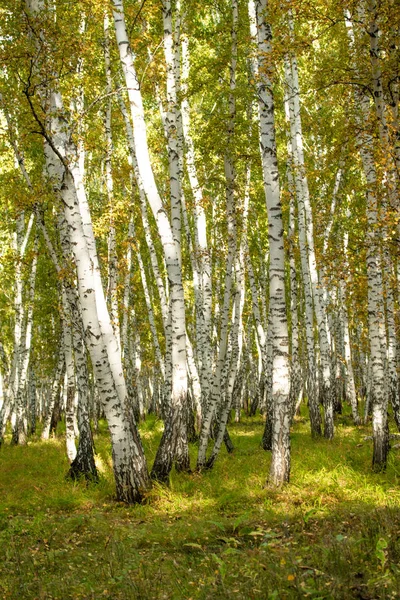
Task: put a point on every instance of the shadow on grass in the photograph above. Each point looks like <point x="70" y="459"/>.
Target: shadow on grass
<point x="331" y="533"/>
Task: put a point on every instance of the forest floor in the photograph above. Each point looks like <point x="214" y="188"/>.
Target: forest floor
<point x="333" y="532"/>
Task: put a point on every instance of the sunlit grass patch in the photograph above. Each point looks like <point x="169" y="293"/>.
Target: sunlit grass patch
<point x="332" y="532"/>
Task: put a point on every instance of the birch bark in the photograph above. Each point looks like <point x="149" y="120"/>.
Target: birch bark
<point x="112" y="295"/>
<point x="389" y="200"/>
<point x="21" y="427"/>
<point x="280" y="463"/>
<point x="296" y="383"/>
<point x="173" y="444"/>
<point x="203" y="268"/>
<point x="83" y="460"/>
<point x="306" y="224"/>
<point x="129" y="463"/>
<point x="230" y="175"/>
<point x="379" y="398"/>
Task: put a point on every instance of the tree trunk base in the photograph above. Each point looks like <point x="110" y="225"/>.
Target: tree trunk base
<point x="266" y="442"/>
<point x="380" y="453"/>
<point x="228" y="442"/>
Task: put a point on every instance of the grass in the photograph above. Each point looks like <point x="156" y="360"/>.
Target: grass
<point x="333" y="532"/>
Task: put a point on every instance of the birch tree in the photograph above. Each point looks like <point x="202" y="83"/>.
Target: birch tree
<point x="173" y="446"/>
<point x="374" y="273"/>
<point x="129" y="463"/>
<point x="280" y="464"/>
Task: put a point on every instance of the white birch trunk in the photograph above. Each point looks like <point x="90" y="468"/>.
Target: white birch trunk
<point x="171" y="124"/>
<point x="83" y="463"/>
<point x="149" y="305"/>
<point x="296" y="383"/>
<point x="230" y="175"/>
<point x="129" y="463"/>
<point x="127" y="295"/>
<point x="174" y="438"/>
<point x="162" y="292"/>
<point x="306" y="223"/>
<point x="390" y="200"/>
<point x="280" y="464"/>
<point x="21" y="429"/>
<point x="55" y="390"/>
<point x="112" y="283"/>
<point x="349" y="372"/>
<point x="203" y="271"/>
<point x="374" y="273"/>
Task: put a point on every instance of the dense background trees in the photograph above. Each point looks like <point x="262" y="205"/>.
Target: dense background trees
<point x="199" y="213"/>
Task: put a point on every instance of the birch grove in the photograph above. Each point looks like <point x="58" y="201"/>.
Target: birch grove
<point x="195" y="230"/>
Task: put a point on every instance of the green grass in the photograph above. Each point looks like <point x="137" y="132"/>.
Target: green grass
<point x="333" y="532"/>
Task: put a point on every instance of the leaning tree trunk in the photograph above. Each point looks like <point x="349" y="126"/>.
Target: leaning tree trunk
<point x="129" y="463"/>
<point x="112" y="283"/>
<point x="83" y="462"/>
<point x="174" y="438"/>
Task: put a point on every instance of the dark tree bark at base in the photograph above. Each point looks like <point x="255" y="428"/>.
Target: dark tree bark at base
<point x="19" y="435"/>
<point x="164" y="458"/>
<point x="381" y="449"/>
<point x="254" y="406"/>
<point x="266" y="441"/>
<point x="315" y="419"/>
<point x="182" y="459"/>
<point x="174" y="445"/>
<point x="337" y="405"/>
<point x="169" y="451"/>
<point x="84" y="464"/>
<point x="80" y="469"/>
<point x="228" y="442"/>
<point x="55" y="417"/>
<point x="191" y="429"/>
<point x="229" y="447"/>
<point x="394" y="399"/>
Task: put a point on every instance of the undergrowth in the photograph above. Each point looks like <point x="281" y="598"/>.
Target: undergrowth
<point x="333" y="532"/>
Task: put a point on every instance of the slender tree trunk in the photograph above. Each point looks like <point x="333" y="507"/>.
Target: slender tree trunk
<point x="389" y="201"/>
<point x="203" y="271"/>
<point x="21" y="428"/>
<point x="232" y="243"/>
<point x="130" y="470"/>
<point x="313" y="285"/>
<point x="174" y="439"/>
<point x="280" y="463"/>
<point x="112" y="283"/>
<point x="55" y="391"/>
<point x="296" y="384"/>
<point x="377" y="393"/>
